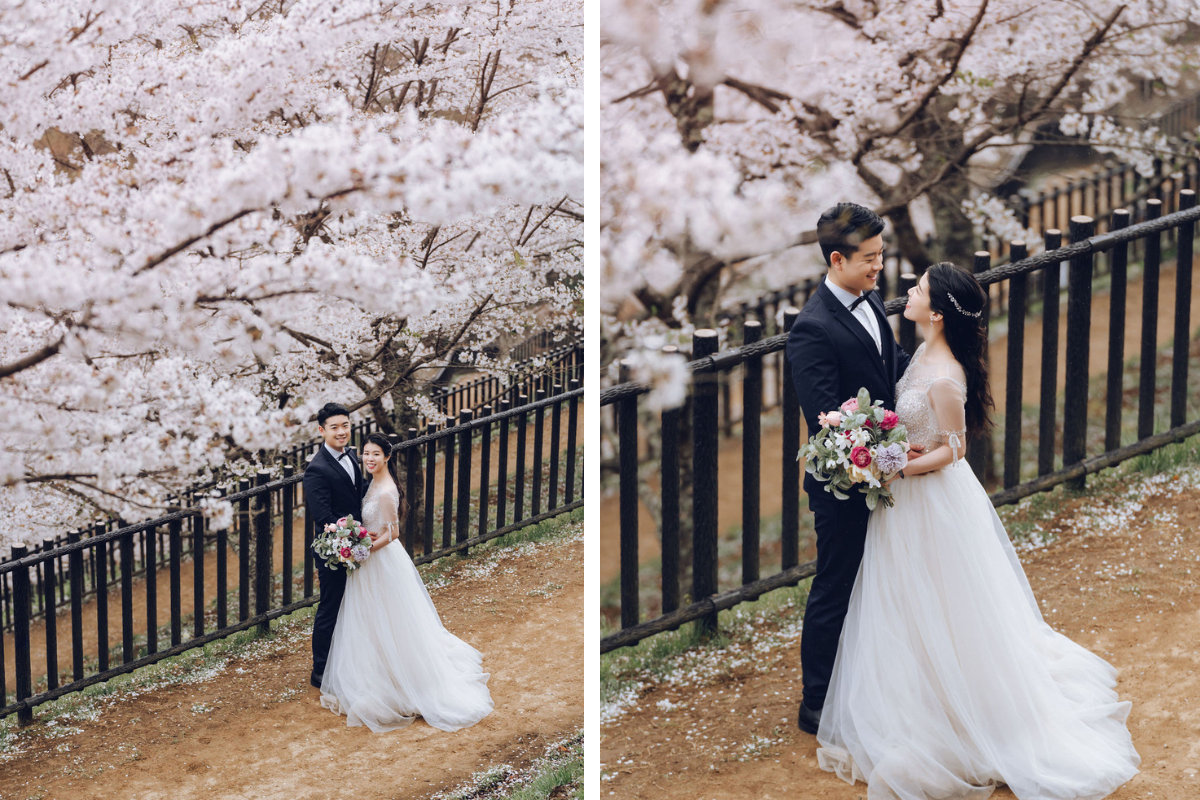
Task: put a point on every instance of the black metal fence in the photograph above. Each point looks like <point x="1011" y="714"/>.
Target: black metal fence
<point x="558" y="365"/>
<point x="712" y="371"/>
<point x="562" y="365"/>
<point x="515" y="483"/>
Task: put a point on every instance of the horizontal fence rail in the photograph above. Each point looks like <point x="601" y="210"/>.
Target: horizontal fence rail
<point x="1069" y="434"/>
<point x="562" y="365"/>
<point x="502" y="471"/>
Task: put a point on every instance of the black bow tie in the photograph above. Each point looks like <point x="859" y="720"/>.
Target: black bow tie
<point x="862" y="298"/>
<point x="343" y="455"/>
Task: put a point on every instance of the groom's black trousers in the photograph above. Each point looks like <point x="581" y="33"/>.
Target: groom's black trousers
<point x="333" y="586"/>
<point x="841" y="534"/>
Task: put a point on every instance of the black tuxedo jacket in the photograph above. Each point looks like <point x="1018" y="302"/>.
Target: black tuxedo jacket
<point x="832" y="356"/>
<point x="329" y="493"/>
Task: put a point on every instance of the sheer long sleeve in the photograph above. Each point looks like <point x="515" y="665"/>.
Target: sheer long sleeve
<point x="948" y="405"/>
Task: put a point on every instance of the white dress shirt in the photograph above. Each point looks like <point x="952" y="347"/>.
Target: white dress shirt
<point x="864" y="313"/>
<point x="345" y="463"/>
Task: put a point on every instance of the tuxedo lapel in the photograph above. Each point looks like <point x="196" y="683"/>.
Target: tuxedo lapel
<point x="844" y="316"/>
<point x="333" y="463"/>
<point x="886" y="340"/>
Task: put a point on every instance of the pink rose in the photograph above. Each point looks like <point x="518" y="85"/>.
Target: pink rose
<point x="860" y="457"/>
<point x="341" y="522"/>
<point x="890" y="420"/>
<point x="344" y="552"/>
<point x="833" y="418"/>
<point x="851" y="405"/>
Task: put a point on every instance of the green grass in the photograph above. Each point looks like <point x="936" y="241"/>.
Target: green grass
<point x="561" y="767"/>
<point x="656" y="657"/>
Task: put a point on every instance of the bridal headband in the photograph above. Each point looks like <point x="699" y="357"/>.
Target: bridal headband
<point x="961" y="310"/>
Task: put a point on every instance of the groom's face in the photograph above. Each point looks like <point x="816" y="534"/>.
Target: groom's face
<point x="859" y="272"/>
<point x="336" y="431"/>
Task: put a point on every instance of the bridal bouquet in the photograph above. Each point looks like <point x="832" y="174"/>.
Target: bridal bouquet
<point x="859" y="446"/>
<point x="345" y="543"/>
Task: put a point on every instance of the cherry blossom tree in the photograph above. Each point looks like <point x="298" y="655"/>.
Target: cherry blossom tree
<point x="217" y="215"/>
<point x="729" y="126"/>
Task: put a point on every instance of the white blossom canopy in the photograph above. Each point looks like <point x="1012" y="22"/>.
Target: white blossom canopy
<point x="216" y="215"/>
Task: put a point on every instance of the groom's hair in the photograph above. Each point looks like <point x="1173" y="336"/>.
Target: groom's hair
<point x="331" y="410"/>
<point x="844" y="227"/>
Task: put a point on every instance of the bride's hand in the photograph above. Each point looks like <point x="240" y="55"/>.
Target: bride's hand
<point x="379" y="540"/>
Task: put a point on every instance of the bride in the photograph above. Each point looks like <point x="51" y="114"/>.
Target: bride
<point x="391" y="660"/>
<point x="947" y="682"/>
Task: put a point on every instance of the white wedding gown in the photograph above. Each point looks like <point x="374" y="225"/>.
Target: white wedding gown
<point x="947" y="681"/>
<point x="391" y="659"/>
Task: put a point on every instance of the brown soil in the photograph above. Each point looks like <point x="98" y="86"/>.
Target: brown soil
<point x="729" y="504"/>
<point x="268" y="737"/>
<point x="1144" y="623"/>
<point x="37" y="632"/>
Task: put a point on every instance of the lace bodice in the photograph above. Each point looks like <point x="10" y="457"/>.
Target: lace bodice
<point x="931" y="403"/>
<point x="380" y="508"/>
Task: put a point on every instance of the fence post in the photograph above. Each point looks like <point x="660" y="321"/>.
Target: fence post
<point x="223" y="569"/>
<point x="1079" y="319"/>
<point x="461" y="534"/>
<point x="1118" y="261"/>
<point x="522" y="433"/>
<point x="100" y="580"/>
<point x="908" y="328"/>
<point x="21" y="609"/>
<point x="627" y="438"/>
<point x="751" y="453"/>
<point x="539" y="429"/>
<point x="671" y="420"/>
<point x="75" y="565"/>
<point x="1014" y="377"/>
<point x="791" y="446"/>
<point x="502" y="469"/>
<point x="705" y="478"/>
<point x="555" y="435"/>
<point x="1149" y="352"/>
<point x="150" y="563"/>
<point x="288" y="512"/>
<point x="572" y="436"/>
<point x="413" y="461"/>
<point x="263" y="549"/>
<point x="50" y="619"/>
<point x="1183" y="311"/>
<point x="244" y="576"/>
<point x="175" y="545"/>
<point x="1048" y="401"/>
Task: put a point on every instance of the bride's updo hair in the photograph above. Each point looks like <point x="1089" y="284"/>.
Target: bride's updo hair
<point x="382" y="442"/>
<point x="957" y="296"/>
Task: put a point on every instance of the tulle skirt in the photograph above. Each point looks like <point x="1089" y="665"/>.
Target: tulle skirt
<point x="391" y="659"/>
<point x="947" y="681"/>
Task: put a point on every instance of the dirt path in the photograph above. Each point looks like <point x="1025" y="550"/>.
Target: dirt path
<point x="729" y="504"/>
<point x="260" y="732"/>
<point x="1121" y="581"/>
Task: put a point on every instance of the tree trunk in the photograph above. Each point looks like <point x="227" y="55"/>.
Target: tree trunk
<point x="912" y="249"/>
<point x="954" y="239"/>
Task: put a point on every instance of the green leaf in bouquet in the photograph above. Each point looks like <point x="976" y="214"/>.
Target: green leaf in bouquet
<point x="872" y="499"/>
<point x="864" y="399"/>
<point x="840" y="495"/>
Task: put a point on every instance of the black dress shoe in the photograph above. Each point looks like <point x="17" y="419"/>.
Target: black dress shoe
<point x="315" y="680"/>
<point x="808" y="720"/>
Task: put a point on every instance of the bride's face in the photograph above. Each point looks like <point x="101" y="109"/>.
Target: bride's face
<point x="373" y="460"/>
<point x="918" y="309"/>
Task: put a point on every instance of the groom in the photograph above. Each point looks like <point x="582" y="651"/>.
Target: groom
<point x="332" y="489"/>
<point x="840" y="343"/>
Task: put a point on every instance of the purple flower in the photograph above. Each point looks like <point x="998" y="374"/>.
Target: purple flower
<point x="891" y="458"/>
<point x="360" y="552"/>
